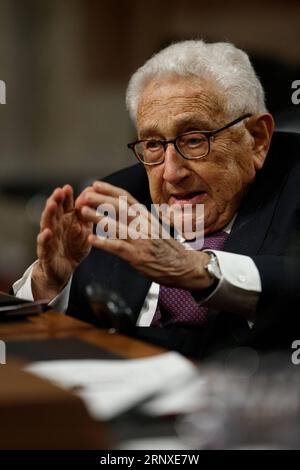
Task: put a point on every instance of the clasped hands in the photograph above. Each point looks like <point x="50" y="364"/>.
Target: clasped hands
<point x="66" y="237"/>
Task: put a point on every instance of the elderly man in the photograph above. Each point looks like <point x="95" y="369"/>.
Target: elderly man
<point x="204" y="137"/>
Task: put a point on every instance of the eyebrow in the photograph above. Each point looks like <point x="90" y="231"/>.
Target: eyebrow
<point x="182" y="125"/>
<point x="151" y="130"/>
<point x="193" y="122"/>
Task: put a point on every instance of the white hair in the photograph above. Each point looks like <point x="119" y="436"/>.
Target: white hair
<point x="222" y="62"/>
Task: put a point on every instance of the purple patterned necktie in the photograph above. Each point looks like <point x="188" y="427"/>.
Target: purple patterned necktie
<point x="178" y="305"/>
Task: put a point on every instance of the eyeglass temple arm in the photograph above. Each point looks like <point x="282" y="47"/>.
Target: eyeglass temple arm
<point x="232" y="123"/>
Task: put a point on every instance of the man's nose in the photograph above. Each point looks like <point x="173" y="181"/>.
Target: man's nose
<point x="175" y="166"/>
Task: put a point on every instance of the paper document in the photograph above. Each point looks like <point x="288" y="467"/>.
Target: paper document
<point x="110" y="387"/>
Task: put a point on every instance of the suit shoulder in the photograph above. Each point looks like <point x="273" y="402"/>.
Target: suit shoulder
<point x="285" y="147"/>
<point x="134" y="180"/>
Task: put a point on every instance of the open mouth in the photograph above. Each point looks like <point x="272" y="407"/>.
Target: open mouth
<point x="196" y="197"/>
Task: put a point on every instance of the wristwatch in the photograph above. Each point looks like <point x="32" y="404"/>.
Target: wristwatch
<point x="213" y="268"/>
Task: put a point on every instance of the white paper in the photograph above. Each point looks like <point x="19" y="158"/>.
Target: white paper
<point x="185" y="398"/>
<point x="110" y="387"/>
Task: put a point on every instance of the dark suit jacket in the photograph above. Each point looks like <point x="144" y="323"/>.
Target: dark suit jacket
<point x="266" y="229"/>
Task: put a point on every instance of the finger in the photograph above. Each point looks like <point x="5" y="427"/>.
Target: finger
<point x="94" y="200"/>
<point x="48" y="218"/>
<point x="89" y="215"/>
<point x="114" y="207"/>
<point x="118" y="247"/>
<point x="80" y="201"/>
<point x="105" y="226"/>
<point x="106" y="188"/>
<point x="134" y="232"/>
<point x="145" y="227"/>
<point x="64" y="200"/>
<point x="57" y="196"/>
<point x="44" y="240"/>
<point x="68" y="203"/>
<point x="59" y="211"/>
<point x="112" y="228"/>
<point x="51" y="208"/>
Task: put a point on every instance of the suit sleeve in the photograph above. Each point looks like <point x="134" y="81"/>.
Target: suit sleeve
<point x="277" y="321"/>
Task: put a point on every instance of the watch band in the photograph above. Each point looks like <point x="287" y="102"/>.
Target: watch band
<point x="212" y="267"/>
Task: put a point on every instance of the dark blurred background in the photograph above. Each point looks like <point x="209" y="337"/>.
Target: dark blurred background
<point x="66" y="64"/>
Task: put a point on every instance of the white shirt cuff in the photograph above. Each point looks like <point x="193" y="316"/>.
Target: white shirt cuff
<point x="148" y="310"/>
<point x="239" y="287"/>
<point x="22" y="289"/>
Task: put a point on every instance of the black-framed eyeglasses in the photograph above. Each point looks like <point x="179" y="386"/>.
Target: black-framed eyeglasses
<point x="190" y="145"/>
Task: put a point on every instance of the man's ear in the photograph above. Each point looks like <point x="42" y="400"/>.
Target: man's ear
<point x="261" y="128"/>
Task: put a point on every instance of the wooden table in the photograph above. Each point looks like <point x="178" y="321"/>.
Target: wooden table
<point x="39" y="415"/>
<point x="55" y="325"/>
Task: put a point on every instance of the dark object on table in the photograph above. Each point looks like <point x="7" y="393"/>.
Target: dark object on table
<point x="109" y="308"/>
<point x="13" y="307"/>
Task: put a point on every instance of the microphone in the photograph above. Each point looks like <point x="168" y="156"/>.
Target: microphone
<point x="110" y="309"/>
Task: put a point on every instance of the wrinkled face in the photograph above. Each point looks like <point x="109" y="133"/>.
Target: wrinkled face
<point x="175" y="105"/>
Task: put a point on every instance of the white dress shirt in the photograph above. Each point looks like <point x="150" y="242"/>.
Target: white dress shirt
<point x="237" y="291"/>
